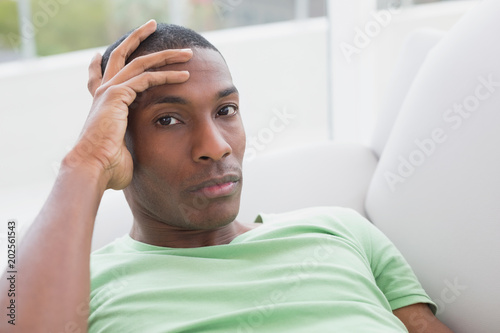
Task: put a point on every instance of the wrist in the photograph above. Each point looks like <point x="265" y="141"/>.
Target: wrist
<point x="92" y="172"/>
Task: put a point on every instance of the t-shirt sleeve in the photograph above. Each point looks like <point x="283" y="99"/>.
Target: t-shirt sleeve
<point x="392" y="273"/>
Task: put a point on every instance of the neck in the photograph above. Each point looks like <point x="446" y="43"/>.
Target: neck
<point x="161" y="234"/>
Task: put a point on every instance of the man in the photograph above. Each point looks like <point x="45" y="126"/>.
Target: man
<point x="165" y="127"/>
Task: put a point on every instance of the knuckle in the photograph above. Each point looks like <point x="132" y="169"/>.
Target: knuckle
<point x="100" y="91"/>
<point x="121" y="92"/>
<point x="140" y="63"/>
<point x="135" y="35"/>
<point x="110" y="90"/>
<point x="145" y="79"/>
<point x="149" y="76"/>
<point x="119" y="53"/>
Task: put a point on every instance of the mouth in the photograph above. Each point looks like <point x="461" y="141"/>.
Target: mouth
<point x="217" y="187"/>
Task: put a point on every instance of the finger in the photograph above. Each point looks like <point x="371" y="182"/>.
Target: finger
<point x="150" y="61"/>
<point x="121" y="53"/>
<point x="148" y="80"/>
<point x="95" y="74"/>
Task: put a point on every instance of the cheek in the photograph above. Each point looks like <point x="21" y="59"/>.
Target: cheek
<point x="159" y="156"/>
<point x="155" y="158"/>
<point x="157" y="176"/>
<point x="237" y="141"/>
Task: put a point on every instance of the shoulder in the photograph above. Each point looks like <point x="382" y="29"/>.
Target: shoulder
<point x="118" y="245"/>
<point x="338" y="217"/>
<point x="339" y="221"/>
<point x="110" y="257"/>
<point x="313" y="214"/>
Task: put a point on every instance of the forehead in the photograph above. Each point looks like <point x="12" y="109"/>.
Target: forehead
<point x="207" y="71"/>
<point x="203" y="60"/>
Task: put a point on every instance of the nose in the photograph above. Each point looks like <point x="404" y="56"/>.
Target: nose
<point x="209" y="144"/>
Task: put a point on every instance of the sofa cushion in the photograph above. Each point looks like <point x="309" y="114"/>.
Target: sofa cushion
<point x="330" y="174"/>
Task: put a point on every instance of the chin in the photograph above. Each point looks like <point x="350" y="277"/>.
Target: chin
<point x="211" y="215"/>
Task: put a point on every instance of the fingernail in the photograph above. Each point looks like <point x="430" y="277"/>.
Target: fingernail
<point x="186" y="50"/>
<point x="148" y="22"/>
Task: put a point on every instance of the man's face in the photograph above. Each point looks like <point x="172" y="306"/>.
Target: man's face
<point x="187" y="142"/>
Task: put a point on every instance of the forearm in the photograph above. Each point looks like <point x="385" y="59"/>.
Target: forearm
<point x="53" y="279"/>
<point x="418" y="318"/>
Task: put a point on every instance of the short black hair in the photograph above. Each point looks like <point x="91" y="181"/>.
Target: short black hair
<point x="166" y="36"/>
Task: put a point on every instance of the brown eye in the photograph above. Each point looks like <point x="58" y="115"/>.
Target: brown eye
<point x="167" y="120"/>
<point x="227" y="110"/>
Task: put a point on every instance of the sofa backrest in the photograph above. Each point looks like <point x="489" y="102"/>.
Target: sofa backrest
<point x="436" y="190"/>
<point x="413" y="53"/>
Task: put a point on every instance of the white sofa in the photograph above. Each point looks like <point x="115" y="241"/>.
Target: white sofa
<point x="430" y="180"/>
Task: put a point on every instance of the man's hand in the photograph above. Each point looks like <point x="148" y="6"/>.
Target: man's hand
<point x="101" y="145"/>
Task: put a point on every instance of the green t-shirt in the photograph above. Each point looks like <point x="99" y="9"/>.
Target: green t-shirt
<point x="313" y="270"/>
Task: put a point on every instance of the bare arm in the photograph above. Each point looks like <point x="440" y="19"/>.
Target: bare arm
<point x="53" y="280"/>
<point x="418" y="318"/>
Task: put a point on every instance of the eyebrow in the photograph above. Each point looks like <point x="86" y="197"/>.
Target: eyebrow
<point x="227" y="92"/>
<point x="170" y="100"/>
<point x="179" y="100"/>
